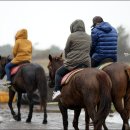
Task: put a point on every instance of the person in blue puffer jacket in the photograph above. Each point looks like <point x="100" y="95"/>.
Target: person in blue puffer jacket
<point x="104" y="42"/>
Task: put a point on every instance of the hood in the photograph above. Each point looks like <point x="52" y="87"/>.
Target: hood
<point x="104" y="26"/>
<point x="21" y="34"/>
<point x="77" y="25"/>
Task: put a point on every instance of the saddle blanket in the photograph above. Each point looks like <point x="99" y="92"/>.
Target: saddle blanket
<point x="68" y="76"/>
<point x="16" y="68"/>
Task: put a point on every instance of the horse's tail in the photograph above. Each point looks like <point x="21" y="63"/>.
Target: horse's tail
<point x="103" y="109"/>
<point x="127" y="70"/>
<point x="41" y="85"/>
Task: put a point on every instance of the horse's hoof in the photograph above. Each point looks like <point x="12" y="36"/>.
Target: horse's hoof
<point x="17" y="118"/>
<point x="44" y="122"/>
<point x="28" y="121"/>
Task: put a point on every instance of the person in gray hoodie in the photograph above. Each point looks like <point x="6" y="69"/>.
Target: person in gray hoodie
<point x="77" y="52"/>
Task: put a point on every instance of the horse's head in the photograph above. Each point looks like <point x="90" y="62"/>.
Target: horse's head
<point x="54" y="63"/>
<point x="3" y="62"/>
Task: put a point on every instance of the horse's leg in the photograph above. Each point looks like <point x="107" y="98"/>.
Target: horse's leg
<point x="123" y="113"/>
<point x="19" y="106"/>
<point x="45" y="114"/>
<point x="11" y="97"/>
<point x="86" y="120"/>
<point x="64" y="113"/>
<point x="31" y="105"/>
<point x="92" y="114"/>
<point x="127" y="106"/>
<point x="104" y="124"/>
<point x="76" y="118"/>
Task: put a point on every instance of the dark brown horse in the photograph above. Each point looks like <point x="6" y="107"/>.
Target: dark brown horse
<point x="86" y="89"/>
<point x="28" y="78"/>
<point x="120" y="77"/>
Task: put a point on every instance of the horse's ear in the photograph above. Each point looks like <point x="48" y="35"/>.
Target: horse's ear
<point x="61" y="55"/>
<point x="50" y="57"/>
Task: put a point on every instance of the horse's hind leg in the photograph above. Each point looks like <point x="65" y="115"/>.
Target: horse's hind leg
<point x="86" y="120"/>
<point x="64" y="113"/>
<point x="123" y="113"/>
<point x="104" y="126"/>
<point x="11" y="97"/>
<point x="19" y="106"/>
<point x="76" y="118"/>
<point x="127" y="106"/>
<point x="31" y="105"/>
<point x="92" y="114"/>
<point x="18" y="116"/>
<point x="45" y="114"/>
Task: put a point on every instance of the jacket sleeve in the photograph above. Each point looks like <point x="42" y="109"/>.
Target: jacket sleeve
<point x="15" y="49"/>
<point x="67" y="47"/>
<point x="94" y="38"/>
<point x="31" y="48"/>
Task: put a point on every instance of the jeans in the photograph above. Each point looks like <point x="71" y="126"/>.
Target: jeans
<point x="60" y="74"/>
<point x="58" y="77"/>
<point x="8" y="69"/>
<point x="94" y="63"/>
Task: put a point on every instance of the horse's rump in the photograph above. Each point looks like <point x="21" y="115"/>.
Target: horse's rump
<point x="86" y="84"/>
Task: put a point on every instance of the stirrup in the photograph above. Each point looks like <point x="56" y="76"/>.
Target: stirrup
<point x="6" y="83"/>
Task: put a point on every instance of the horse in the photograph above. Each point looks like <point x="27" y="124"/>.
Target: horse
<point x="28" y="78"/>
<point x="119" y="74"/>
<point x="86" y="89"/>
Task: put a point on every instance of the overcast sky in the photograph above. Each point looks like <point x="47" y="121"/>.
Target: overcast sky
<point x="48" y="22"/>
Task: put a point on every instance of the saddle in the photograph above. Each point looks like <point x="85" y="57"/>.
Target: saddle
<point x="106" y="62"/>
<point x="102" y="66"/>
<point x="69" y="75"/>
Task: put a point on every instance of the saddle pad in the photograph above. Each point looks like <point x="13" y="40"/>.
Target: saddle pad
<point x="68" y="76"/>
<point x="16" y="68"/>
<point x="101" y="67"/>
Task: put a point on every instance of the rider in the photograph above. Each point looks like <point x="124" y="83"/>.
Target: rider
<point x="22" y="51"/>
<point x="76" y="53"/>
<point x="104" y="42"/>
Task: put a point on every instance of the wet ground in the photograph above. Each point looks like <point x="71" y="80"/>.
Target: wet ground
<point x="113" y="121"/>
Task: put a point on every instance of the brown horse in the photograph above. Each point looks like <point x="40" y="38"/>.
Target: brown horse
<point x="28" y="78"/>
<point x="120" y="77"/>
<point x="86" y="89"/>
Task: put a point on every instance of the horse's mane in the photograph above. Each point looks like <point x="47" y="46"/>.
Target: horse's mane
<point x="57" y="58"/>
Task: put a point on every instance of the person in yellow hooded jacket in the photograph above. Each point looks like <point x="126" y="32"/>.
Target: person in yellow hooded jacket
<point x="22" y="51"/>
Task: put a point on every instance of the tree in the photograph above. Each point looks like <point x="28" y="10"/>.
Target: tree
<point x="122" y="43"/>
<point x="6" y="50"/>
